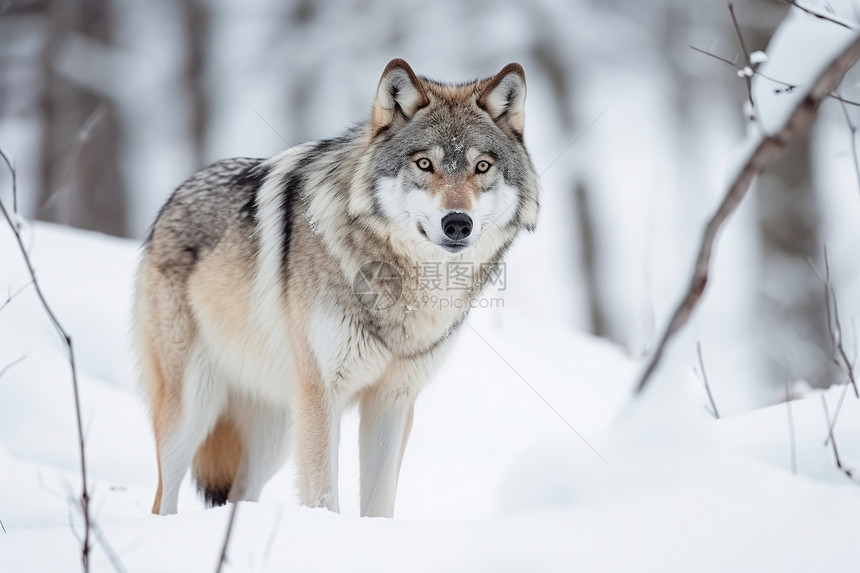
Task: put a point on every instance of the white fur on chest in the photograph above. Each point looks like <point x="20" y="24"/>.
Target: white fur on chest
<point x="349" y="358"/>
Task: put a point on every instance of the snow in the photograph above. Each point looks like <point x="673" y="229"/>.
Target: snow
<point x="528" y="452"/>
<point x="493" y="479"/>
<point x="758" y="57"/>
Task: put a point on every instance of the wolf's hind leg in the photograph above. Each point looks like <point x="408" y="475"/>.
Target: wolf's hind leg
<point x="265" y="446"/>
<point x="202" y="401"/>
<point x="386" y="420"/>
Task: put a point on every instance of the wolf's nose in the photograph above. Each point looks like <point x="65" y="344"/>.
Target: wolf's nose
<point x="457" y="226"/>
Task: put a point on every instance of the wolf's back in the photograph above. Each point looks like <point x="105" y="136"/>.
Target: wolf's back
<point x="201" y="210"/>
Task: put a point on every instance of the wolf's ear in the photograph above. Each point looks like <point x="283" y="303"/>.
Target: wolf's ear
<point x="399" y="95"/>
<point x="504" y="98"/>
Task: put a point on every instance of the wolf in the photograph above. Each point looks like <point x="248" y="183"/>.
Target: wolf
<point x="274" y="293"/>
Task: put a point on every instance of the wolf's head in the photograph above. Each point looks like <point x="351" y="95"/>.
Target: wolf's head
<point x="448" y="168"/>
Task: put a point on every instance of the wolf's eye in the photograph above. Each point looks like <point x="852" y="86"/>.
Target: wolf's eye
<point x="482" y="166"/>
<point x="424" y="164"/>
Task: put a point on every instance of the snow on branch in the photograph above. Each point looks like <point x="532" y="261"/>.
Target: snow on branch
<point x="767" y="149"/>
<point x="820" y="15"/>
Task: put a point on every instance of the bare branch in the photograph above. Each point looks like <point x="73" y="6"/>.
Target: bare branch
<point x="67" y="340"/>
<point x="714" y="410"/>
<point x="223" y="558"/>
<point x="836" y="412"/>
<point x="767" y="150"/>
<point x="838" y="333"/>
<point x="834" y="324"/>
<point x="787" y="87"/>
<point x="716" y="57"/>
<point x="841" y="99"/>
<point x="738" y="32"/>
<point x="847" y="471"/>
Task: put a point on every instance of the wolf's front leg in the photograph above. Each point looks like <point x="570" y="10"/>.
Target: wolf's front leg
<point x="317" y="440"/>
<point x="386" y="420"/>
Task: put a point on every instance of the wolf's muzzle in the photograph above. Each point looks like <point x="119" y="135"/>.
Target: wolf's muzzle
<point x="457" y="226"/>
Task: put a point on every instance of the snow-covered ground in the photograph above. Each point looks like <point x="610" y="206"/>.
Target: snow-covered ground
<point x="498" y="476"/>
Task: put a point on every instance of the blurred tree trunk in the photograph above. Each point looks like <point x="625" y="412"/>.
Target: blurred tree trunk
<point x="81" y="184"/>
<point x="585" y="224"/>
<point x="196" y="17"/>
<point x="20" y="90"/>
<point x="792" y="298"/>
<point x="559" y="69"/>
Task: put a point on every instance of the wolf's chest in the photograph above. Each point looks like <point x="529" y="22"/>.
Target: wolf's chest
<point x="354" y="354"/>
<point x="417" y="325"/>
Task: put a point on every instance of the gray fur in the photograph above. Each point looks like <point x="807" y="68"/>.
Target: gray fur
<point x="201" y="210"/>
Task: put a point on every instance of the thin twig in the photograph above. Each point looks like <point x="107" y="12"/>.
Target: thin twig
<point x="538" y="394"/>
<point x="854" y="338"/>
<point x="106" y="547"/>
<point x="71" y="514"/>
<point x="714" y="410"/>
<point x="747" y="77"/>
<point x="791" y="429"/>
<point x="847" y="471"/>
<point x="836" y="412"/>
<point x="223" y="558"/>
<point x="3" y="527"/>
<point x="10" y="365"/>
<point x="83" y="136"/>
<point x="841" y="99"/>
<point x="819" y="15"/>
<point x="837" y="324"/>
<point x="270" y="544"/>
<point x="769" y="147"/>
<point x="11" y="296"/>
<point x="834" y="324"/>
<point x="14" y="173"/>
<point x="788" y="87"/>
<point x="85" y="497"/>
<point x="275" y="131"/>
<point x="573" y="142"/>
<point x="738" y="32"/>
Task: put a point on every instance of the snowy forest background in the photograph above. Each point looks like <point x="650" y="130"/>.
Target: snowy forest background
<point x="107" y="105"/>
<point x="529" y="451"/>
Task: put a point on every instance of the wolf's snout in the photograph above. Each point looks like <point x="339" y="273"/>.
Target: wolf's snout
<point x="457" y="226"/>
